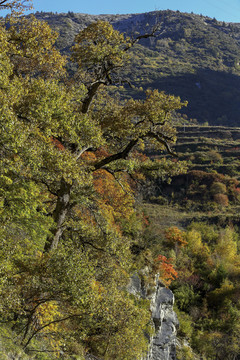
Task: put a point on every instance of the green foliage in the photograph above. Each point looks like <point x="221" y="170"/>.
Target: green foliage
<point x="184" y="352"/>
<point x="69" y="160"/>
<point x="99" y="45"/>
<point x="206" y="289"/>
<point x="185" y="324"/>
<point x="218" y="188"/>
<point x="185" y="297"/>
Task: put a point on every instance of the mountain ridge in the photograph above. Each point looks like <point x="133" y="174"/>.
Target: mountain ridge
<point x="192" y="56"/>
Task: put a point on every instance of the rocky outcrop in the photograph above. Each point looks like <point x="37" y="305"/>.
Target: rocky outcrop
<point x="162" y="344"/>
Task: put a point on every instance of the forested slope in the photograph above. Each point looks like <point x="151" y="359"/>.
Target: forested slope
<point x="92" y="190"/>
<point x="191" y="56"/>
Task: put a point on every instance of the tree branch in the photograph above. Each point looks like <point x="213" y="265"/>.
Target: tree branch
<point x="144" y="36"/>
<point x="3" y="2"/>
<point x="80" y="152"/>
<point x="92" y="90"/>
<point x="46" y="325"/>
<point x="162" y="140"/>
<point x="121" y="155"/>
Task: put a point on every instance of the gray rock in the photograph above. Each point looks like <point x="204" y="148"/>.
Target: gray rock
<point x="163" y="343"/>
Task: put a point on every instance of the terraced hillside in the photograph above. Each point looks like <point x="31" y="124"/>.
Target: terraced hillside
<point x="211" y="183"/>
<point x="210" y="148"/>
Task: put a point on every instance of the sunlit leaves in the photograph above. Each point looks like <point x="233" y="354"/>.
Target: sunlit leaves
<point x="16" y="6"/>
<point x="115" y="194"/>
<point x="32" y="50"/>
<point x="100" y="49"/>
<point x="165" y="268"/>
<point x="70" y="169"/>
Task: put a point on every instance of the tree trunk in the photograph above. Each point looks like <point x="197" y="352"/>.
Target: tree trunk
<point x="59" y="216"/>
<point x="90" y="95"/>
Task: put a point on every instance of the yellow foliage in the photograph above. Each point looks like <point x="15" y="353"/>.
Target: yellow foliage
<point x="46" y="314"/>
<point x="98" y="289"/>
<point x="226" y="247"/>
<point x="194" y="240"/>
<point x="32" y="44"/>
<point x="99" y="43"/>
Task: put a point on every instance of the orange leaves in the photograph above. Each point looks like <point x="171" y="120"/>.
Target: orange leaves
<point x="166" y="269"/>
<point x="91" y="157"/>
<point x="57" y="143"/>
<point x="115" y="194"/>
<point x="175" y="236"/>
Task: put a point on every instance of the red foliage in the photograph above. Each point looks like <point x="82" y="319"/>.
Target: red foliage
<point x="101" y="153"/>
<point x="166" y="269"/>
<point x="57" y="143"/>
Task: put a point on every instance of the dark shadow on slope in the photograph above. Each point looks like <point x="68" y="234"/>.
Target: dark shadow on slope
<point x="212" y="96"/>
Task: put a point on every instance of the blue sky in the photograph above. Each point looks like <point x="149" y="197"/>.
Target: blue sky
<point x="227" y="10"/>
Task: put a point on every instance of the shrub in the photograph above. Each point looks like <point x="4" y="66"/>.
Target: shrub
<point x="185" y="324"/>
<point x="175" y="236"/>
<point x="186" y="297"/>
<point x="218" y="188"/>
<point x="214" y="156"/>
<point x="221" y="199"/>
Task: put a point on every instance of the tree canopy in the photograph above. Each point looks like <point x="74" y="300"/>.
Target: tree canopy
<point x="70" y="158"/>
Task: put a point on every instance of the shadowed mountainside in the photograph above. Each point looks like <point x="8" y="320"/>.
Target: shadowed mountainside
<point x="192" y="56"/>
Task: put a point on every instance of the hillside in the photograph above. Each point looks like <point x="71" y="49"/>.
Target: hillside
<point x="192" y="56"/>
<point x="89" y="194"/>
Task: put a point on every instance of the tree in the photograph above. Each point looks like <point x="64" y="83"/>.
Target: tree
<point x="16" y="5"/>
<point x="65" y="255"/>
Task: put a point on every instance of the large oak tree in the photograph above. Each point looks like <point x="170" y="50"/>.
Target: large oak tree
<point x="69" y="154"/>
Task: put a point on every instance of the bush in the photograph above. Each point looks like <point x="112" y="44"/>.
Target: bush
<point x="214" y="156"/>
<point x="185" y="297"/>
<point x="185" y="324"/>
<point x="218" y="188"/>
<point x="184" y="352"/>
<point x="221" y="199"/>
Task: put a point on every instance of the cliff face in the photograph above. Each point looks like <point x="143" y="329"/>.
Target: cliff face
<point x="162" y="345"/>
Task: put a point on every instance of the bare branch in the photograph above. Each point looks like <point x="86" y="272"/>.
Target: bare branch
<point x="3" y="2"/>
<point x="144" y="36"/>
